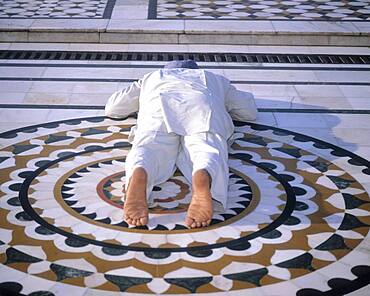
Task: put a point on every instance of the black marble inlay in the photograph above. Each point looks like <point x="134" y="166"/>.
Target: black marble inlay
<point x="64" y="272"/>
<point x="255" y="140"/>
<point x="239" y="246"/>
<point x="22" y="216"/>
<point x="122" y="145"/>
<point x="83" y="170"/>
<point x="341" y="286"/>
<point x="65" y="154"/>
<point x="322" y="166"/>
<point x="272" y="234"/>
<point x="351" y="222"/>
<point x="93" y="148"/>
<point x="253" y="276"/>
<point x="267" y="165"/>
<point x="14" y="201"/>
<point x="290" y="221"/>
<point x="15" y="256"/>
<point x="125" y="282"/>
<point x="51" y="125"/>
<point x="56" y="138"/>
<point x="180" y="227"/>
<point x="341" y="183"/>
<point x="200" y="253"/>
<point x="90" y="216"/>
<point x="311" y="292"/>
<point x="303" y="261"/>
<point x="295" y="152"/>
<point x="41" y="293"/>
<point x="94" y="131"/>
<point x="70" y="202"/>
<point x="300" y="206"/>
<point x="160" y="227"/>
<point x="287" y="178"/>
<point x="191" y="284"/>
<point x="75" y="175"/>
<point x="320" y="145"/>
<point x="113" y="251"/>
<point x="43" y="230"/>
<point x="66" y="195"/>
<point x="69" y="182"/>
<point x="95" y="165"/>
<point x="18" y="149"/>
<point x="242" y="156"/>
<point x="352" y="202"/>
<point x="105" y="220"/>
<point x="25" y="174"/>
<point x="335" y="242"/>
<point x="42" y="163"/>
<point x="9" y="288"/>
<point x="66" y="188"/>
<point x="82" y="209"/>
<point x="157" y="255"/>
<point x="280" y="133"/>
<point x="75" y="243"/>
<point x="2" y="159"/>
<point x="15" y="187"/>
<point x="299" y="191"/>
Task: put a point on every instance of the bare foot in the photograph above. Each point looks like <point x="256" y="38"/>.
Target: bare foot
<point x="200" y="210"/>
<point x="136" y="207"/>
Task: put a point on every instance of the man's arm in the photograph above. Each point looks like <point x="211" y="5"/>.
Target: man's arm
<point x="240" y="104"/>
<point x="123" y="103"/>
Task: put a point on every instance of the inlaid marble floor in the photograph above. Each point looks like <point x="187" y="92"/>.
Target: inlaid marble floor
<point x="315" y="10"/>
<point x="298" y="215"/>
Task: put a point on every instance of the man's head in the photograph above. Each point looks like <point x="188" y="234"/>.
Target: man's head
<point x="189" y="64"/>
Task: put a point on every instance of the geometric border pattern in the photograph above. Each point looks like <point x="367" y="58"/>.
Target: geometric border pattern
<point x="306" y="230"/>
<point x="57" y="9"/>
<point x="315" y="10"/>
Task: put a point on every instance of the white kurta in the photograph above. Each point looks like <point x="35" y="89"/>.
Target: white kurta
<point x="185" y="103"/>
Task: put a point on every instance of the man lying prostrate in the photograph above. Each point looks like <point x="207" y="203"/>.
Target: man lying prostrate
<point x="184" y="121"/>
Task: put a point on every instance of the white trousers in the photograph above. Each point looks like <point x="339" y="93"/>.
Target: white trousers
<point x="159" y="153"/>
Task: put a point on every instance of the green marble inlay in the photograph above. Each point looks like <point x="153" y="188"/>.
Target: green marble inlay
<point x="303" y="261"/>
<point x="191" y="284"/>
<point x="335" y="242"/>
<point x="125" y="282"/>
<point x="64" y="272"/>
<point x="253" y="276"/>
<point x="15" y="256"/>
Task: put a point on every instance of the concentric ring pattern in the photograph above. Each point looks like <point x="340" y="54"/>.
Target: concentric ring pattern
<point x="297" y="218"/>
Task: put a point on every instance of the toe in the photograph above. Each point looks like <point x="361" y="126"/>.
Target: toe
<point x="199" y="224"/>
<point x="143" y="221"/>
<point x="193" y="225"/>
<point x="189" y="222"/>
<point x="204" y="224"/>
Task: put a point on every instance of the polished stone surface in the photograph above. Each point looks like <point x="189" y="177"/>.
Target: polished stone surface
<point x="315" y="10"/>
<point x="297" y="221"/>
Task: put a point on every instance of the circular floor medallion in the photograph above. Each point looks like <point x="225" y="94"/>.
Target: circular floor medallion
<point x="297" y="217"/>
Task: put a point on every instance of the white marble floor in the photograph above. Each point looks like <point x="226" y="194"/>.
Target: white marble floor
<point x="33" y="83"/>
<point x="330" y="104"/>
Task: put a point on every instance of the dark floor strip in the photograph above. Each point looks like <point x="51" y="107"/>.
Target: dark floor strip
<point x="251" y="67"/>
<point x="100" y="107"/>
<point x="222" y="57"/>
<point x="152" y="9"/>
<point x="109" y="9"/>
<point x="232" y="81"/>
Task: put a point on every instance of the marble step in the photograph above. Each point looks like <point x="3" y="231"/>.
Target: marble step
<point x="313" y="33"/>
